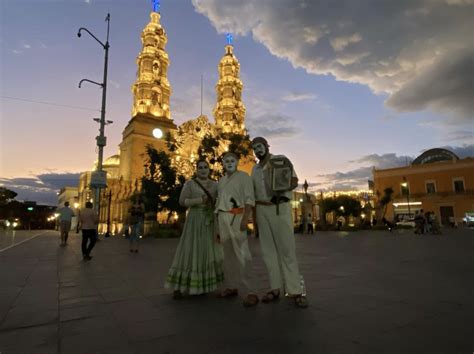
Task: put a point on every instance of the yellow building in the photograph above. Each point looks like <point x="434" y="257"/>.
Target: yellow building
<point x="436" y="181"/>
<point x="151" y="121"/>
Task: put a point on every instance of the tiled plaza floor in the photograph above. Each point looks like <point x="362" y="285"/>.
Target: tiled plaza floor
<point x="369" y="292"/>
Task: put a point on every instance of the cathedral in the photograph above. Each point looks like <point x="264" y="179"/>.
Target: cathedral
<point x="151" y="121"/>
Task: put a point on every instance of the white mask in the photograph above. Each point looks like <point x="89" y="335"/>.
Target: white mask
<point x="202" y="170"/>
<point x="230" y="164"/>
<point x="260" y="150"/>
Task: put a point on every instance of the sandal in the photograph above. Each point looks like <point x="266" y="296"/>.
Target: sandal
<point x="228" y="293"/>
<point x="250" y="300"/>
<point x="301" y="301"/>
<point x="271" y="296"/>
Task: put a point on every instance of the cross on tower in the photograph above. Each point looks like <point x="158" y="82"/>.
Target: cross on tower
<point x="229" y="38"/>
<point x="156" y="5"/>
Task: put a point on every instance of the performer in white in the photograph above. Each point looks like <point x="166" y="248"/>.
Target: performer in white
<point x="274" y="222"/>
<point x="235" y="199"/>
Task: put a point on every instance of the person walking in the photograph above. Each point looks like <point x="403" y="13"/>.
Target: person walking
<point x="65" y="218"/>
<point x="275" y="225"/>
<point x="136" y="218"/>
<point x="310" y="224"/>
<point x="235" y="199"/>
<point x="88" y="221"/>
<point x="197" y="265"/>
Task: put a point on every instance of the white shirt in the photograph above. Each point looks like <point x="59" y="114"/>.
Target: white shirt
<point x="65" y="214"/>
<point x="238" y="187"/>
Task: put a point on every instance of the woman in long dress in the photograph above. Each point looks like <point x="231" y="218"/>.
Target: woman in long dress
<point x="197" y="265"/>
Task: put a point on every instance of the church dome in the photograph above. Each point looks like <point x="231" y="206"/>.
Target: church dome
<point x="113" y="160"/>
<point x="435" y="155"/>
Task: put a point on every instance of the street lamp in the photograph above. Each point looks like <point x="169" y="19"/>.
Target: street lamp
<point x="404" y="184"/>
<point x="101" y="139"/>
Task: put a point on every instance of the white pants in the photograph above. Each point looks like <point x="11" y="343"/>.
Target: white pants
<point x="277" y="241"/>
<point x="238" y="269"/>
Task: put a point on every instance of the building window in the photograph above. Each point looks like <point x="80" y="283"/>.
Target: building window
<point x="430" y="187"/>
<point x="458" y="185"/>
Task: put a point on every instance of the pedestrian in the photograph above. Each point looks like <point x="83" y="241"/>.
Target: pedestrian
<point x="419" y="222"/>
<point x="197" y="265"/>
<point x="310" y="224"/>
<point x="136" y="218"/>
<point x="88" y="221"/>
<point x="235" y="200"/>
<point x="65" y="218"/>
<point x="274" y="223"/>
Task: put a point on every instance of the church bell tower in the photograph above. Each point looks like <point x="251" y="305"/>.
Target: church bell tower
<point x="229" y="110"/>
<point x="151" y="118"/>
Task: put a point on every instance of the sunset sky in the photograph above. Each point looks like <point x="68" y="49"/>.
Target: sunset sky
<point x="337" y="86"/>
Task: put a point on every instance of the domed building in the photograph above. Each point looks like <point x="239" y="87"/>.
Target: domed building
<point x="437" y="181"/>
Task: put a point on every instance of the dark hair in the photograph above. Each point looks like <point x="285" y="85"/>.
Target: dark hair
<point x="89" y="205"/>
<point x="66" y="204"/>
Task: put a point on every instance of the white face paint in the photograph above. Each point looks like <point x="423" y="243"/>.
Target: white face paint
<point x="230" y="164"/>
<point x="260" y="150"/>
<point x="202" y="170"/>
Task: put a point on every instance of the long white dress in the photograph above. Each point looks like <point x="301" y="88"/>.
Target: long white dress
<point x="197" y="265"/>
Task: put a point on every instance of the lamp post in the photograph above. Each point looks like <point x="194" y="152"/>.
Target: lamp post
<point x="100" y="139"/>
<point x="404" y="184"/>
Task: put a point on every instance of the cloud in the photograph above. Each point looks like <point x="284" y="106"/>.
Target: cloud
<point x="445" y="86"/>
<point x="384" y="161"/>
<point x="16" y="52"/>
<point x="461" y="136"/>
<point x="462" y="151"/>
<point x="357" y="178"/>
<point x="414" y="51"/>
<point x="295" y="97"/>
<point x="41" y="188"/>
<point x="26" y="46"/>
<point x="272" y="126"/>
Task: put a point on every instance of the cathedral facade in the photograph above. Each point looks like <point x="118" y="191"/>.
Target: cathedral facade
<point x="151" y="121"/>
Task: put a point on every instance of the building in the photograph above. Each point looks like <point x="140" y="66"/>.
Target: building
<point x="151" y="122"/>
<point x="436" y="181"/>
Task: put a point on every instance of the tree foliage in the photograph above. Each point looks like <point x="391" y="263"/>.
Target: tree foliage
<point x="161" y="184"/>
<point x="6" y="195"/>
<point x="351" y="206"/>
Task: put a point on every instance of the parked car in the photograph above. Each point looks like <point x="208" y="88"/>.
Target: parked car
<point x="409" y="223"/>
<point x="468" y="218"/>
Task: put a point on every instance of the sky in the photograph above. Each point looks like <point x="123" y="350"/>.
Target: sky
<point x="337" y="86"/>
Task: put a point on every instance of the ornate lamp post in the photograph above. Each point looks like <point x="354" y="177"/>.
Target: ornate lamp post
<point x="101" y="139"/>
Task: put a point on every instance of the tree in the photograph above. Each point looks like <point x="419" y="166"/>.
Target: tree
<point x="6" y="195"/>
<point x="161" y="184"/>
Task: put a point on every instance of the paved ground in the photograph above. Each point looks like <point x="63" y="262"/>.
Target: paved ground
<point x="370" y="292"/>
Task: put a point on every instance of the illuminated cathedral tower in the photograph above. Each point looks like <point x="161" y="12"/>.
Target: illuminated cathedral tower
<point x="151" y="118"/>
<point x="229" y="111"/>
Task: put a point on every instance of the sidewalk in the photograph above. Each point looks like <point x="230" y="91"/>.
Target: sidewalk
<point x="369" y="292"/>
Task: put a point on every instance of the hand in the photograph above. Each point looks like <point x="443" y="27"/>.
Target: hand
<point x="217" y="238"/>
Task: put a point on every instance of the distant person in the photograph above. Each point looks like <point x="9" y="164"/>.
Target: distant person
<point x="88" y="221"/>
<point x="310" y="224"/>
<point x="65" y="218"/>
<point x="419" y="222"/>
<point x="136" y="218"/>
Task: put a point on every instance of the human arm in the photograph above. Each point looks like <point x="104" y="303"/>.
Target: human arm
<point x="186" y="198"/>
<point x="249" y="197"/>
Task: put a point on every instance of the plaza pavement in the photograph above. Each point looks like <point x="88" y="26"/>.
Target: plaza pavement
<point x="369" y="292"/>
